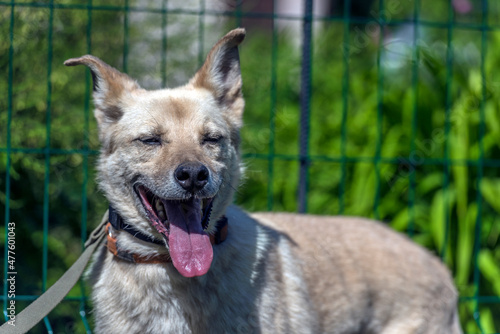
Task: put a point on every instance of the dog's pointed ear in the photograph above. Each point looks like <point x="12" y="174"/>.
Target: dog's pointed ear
<point x="109" y="85"/>
<point x="221" y="73"/>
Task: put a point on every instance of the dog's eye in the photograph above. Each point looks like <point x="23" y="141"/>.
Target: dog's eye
<point x="150" y="140"/>
<point x="212" y="139"/>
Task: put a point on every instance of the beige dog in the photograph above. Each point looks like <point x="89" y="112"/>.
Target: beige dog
<point x="180" y="259"/>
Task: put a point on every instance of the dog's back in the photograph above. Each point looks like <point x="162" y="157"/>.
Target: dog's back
<point x="360" y="270"/>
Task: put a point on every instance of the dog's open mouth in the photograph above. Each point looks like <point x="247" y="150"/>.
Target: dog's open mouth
<point x="182" y="223"/>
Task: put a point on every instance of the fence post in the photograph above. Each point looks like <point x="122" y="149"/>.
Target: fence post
<point x="305" y="97"/>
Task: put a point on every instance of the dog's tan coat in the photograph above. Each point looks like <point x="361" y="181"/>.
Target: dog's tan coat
<point x="275" y="273"/>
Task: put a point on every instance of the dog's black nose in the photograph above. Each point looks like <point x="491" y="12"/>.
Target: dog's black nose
<point x="192" y="176"/>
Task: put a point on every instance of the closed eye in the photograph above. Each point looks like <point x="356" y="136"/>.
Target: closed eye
<point x="150" y="140"/>
<point x="212" y="139"/>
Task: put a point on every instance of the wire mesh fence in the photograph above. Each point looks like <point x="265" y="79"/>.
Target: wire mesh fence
<point x="387" y="109"/>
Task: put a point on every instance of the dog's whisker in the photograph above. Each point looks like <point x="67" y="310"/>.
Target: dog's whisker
<point x="154" y="118"/>
<point x="228" y="184"/>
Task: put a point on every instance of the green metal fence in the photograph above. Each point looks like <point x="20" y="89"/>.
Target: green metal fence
<point x="334" y="140"/>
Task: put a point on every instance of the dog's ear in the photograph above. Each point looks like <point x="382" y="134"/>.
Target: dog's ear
<point x="110" y="87"/>
<point x="221" y="73"/>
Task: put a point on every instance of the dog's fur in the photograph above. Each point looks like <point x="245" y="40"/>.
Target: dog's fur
<point x="275" y="273"/>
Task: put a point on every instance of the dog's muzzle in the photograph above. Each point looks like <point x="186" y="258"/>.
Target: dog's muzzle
<point x="182" y="224"/>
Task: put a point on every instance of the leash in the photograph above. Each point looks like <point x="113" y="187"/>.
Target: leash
<point x="42" y="306"/>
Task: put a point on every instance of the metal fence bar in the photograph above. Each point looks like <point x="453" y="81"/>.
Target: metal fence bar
<point x="201" y="33"/>
<point x="463" y="299"/>
<point x="164" y="43"/>
<point x="8" y="163"/>
<point x="52" y="151"/>
<point x="479" y="197"/>
<point x="380" y="104"/>
<point x="47" y="151"/>
<point x="272" y="112"/>
<point x="305" y="101"/>
<point x="345" y="104"/>
<point x="126" y="11"/>
<point x="85" y="165"/>
<point x="67" y="298"/>
<point x="447" y="126"/>
<point x="253" y="15"/>
<point x="413" y="135"/>
<point x="371" y="159"/>
<point x="46" y="199"/>
<point x="238" y="12"/>
<point x="312" y="158"/>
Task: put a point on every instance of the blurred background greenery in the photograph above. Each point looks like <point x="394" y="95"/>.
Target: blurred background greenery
<point x="404" y="124"/>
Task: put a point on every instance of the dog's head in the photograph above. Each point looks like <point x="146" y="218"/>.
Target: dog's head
<point x="170" y="156"/>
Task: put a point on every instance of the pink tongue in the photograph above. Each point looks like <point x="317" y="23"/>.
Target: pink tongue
<point x="190" y="247"/>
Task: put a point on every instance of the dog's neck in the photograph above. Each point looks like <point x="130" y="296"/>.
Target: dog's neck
<point x="116" y="224"/>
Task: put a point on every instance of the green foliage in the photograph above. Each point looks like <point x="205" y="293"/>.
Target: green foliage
<point x="68" y="188"/>
<point x="417" y="145"/>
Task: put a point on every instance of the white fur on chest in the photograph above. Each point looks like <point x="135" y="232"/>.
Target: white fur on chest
<point x="243" y="292"/>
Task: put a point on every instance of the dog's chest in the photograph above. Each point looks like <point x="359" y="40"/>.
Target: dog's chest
<point x="155" y="299"/>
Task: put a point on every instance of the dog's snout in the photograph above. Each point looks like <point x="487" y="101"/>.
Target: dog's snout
<point x="192" y="176"/>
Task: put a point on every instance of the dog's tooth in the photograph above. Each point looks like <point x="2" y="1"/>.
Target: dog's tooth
<point x="160" y="210"/>
<point x="158" y="205"/>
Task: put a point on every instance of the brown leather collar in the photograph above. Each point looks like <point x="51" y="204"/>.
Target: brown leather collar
<point x="114" y="248"/>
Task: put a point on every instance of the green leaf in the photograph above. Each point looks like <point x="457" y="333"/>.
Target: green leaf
<point x="465" y="242"/>
<point x="440" y="209"/>
<point x="490" y="189"/>
<point x="475" y="82"/>
<point x="490" y="268"/>
<point x="487" y="321"/>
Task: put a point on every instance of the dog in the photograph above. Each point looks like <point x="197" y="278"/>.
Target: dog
<point x="180" y="258"/>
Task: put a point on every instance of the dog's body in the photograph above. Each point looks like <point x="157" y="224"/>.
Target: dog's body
<point x="168" y="158"/>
